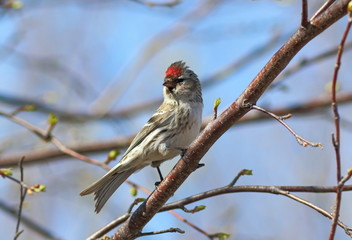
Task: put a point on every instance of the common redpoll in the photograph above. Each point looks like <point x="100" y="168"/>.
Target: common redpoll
<point x="168" y="132"/>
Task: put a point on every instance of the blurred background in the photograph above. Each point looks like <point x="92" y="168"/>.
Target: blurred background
<point x="99" y="66"/>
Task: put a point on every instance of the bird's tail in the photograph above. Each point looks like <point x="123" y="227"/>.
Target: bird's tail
<point x="106" y="186"/>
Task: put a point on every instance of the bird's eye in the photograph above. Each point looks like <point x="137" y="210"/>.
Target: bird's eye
<point x="180" y="80"/>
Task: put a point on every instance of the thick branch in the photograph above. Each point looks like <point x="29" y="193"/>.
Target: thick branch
<point x="134" y="225"/>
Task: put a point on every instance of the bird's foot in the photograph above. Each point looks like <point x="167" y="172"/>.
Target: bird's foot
<point x="200" y="165"/>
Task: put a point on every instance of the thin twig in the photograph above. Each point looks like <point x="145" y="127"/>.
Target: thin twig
<point x="135" y="202"/>
<point x="281" y="190"/>
<point x="172" y="230"/>
<point x="225" y="190"/>
<point x="153" y="4"/>
<point x="239" y="174"/>
<point x="316" y="208"/>
<point x="336" y="136"/>
<point x="304" y="20"/>
<point x="215" y="108"/>
<point x="323" y="8"/>
<point x="23" y="192"/>
<point x="346" y="178"/>
<point x="47" y="137"/>
<point x="178" y="216"/>
<point x="302" y="141"/>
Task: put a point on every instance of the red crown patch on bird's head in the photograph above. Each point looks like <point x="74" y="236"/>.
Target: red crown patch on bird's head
<point x="175" y="70"/>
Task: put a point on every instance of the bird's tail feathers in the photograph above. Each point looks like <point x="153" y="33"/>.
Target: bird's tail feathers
<point x="105" y="187"/>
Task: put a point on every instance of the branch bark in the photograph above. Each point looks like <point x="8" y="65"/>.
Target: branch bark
<point x="135" y="223"/>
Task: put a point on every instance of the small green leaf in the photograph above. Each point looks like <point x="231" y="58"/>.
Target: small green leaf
<point x="220" y="236"/>
<point x="199" y="208"/>
<point x="39" y="188"/>
<point x="223" y="236"/>
<point x="53" y="119"/>
<point x="113" y="154"/>
<point x="217" y="102"/>
<point x="195" y="209"/>
<point x="133" y="191"/>
<point x="6" y="172"/>
<point x="247" y="172"/>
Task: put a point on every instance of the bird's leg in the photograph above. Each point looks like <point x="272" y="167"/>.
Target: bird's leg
<point x="182" y="151"/>
<point x="160" y="175"/>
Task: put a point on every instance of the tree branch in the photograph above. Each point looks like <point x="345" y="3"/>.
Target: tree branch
<point x="162" y="231"/>
<point x="336" y="136"/>
<point x="135" y="223"/>
<point x="231" y="189"/>
<point x="304" y="18"/>
<point x="154" y="4"/>
<point x="301" y="141"/>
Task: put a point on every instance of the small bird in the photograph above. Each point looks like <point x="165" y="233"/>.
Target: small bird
<point x="168" y="133"/>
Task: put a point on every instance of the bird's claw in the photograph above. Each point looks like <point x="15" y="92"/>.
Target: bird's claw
<point x="157" y="184"/>
<point x="200" y="165"/>
<point x="183" y="152"/>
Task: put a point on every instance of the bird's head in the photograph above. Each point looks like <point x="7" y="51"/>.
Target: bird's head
<point x="181" y="83"/>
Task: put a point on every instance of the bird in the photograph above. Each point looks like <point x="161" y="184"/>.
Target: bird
<point x="168" y="133"/>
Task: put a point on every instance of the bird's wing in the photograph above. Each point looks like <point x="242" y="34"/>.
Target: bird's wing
<point x="160" y="119"/>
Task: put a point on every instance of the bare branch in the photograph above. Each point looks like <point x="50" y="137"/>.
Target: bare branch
<point x="281" y="190"/>
<point x="135" y="202"/>
<point x="23" y="192"/>
<point x="336" y="136"/>
<point x="178" y="216"/>
<point x="225" y="190"/>
<point x="241" y="173"/>
<point x="153" y="4"/>
<point x="304" y="20"/>
<point x="302" y="141"/>
<point x="172" y="230"/>
<point x="46" y="136"/>
<point x="323" y="8"/>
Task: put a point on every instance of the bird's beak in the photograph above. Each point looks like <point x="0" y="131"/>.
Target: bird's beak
<point x="169" y="84"/>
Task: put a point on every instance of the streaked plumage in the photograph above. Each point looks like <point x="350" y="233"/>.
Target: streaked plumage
<point x="173" y="127"/>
